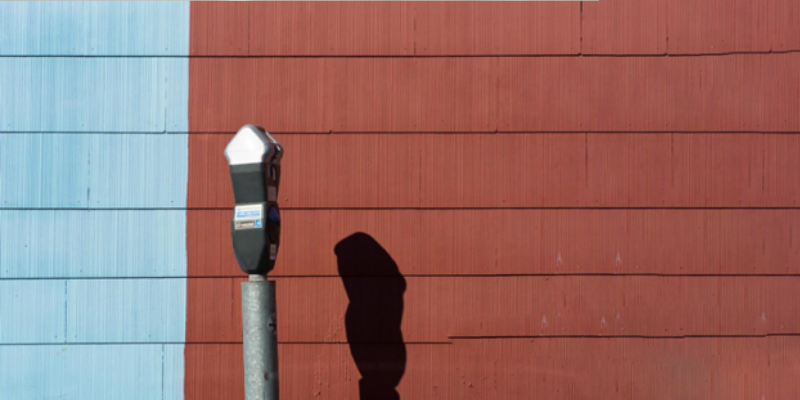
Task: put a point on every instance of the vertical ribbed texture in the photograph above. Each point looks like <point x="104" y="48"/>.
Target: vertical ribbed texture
<point x="690" y="27"/>
<point x="92" y="200"/>
<point x="112" y="239"/>
<point x="90" y="371"/>
<point x="445" y="242"/>
<point x="519" y="306"/>
<point x="135" y="310"/>
<point x="735" y="93"/>
<point x="385" y="29"/>
<point x="18" y="324"/>
<point x="519" y="170"/>
<point x="105" y="95"/>
<point x="93" y="170"/>
<point x="567" y="227"/>
<point x="88" y="28"/>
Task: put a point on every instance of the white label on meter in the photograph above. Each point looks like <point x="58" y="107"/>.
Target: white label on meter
<point x="248" y="216"/>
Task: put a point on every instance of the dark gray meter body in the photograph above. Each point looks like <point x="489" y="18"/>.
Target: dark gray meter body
<point x="254" y="158"/>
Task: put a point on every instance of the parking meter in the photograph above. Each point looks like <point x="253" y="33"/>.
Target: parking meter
<point x="254" y="157"/>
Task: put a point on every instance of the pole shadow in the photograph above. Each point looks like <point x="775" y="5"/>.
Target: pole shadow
<point x="375" y="288"/>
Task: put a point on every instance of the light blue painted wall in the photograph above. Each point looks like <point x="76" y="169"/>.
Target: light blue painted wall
<point x="126" y="310"/>
<point x="102" y="372"/>
<point x="41" y="170"/>
<point x="92" y="243"/>
<point x="93" y="311"/>
<point x="146" y="171"/>
<point x="94" y="28"/>
<point x="38" y="170"/>
<point x="173" y="372"/>
<point x="19" y="323"/>
<point x="79" y="134"/>
<point x="76" y="94"/>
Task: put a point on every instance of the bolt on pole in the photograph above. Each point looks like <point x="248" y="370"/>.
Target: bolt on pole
<point x="254" y="158"/>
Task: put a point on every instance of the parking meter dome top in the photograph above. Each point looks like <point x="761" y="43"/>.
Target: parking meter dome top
<point x="252" y="145"/>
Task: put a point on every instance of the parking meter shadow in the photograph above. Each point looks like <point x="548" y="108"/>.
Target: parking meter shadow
<point x="375" y="288"/>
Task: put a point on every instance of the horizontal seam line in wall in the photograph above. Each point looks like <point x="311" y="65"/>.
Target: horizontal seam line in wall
<point x="442" y="208"/>
<point x="435" y="343"/>
<point x="205" y="343"/>
<point x="517" y="55"/>
<point x="453" y="133"/>
<point x="723" y="336"/>
<point x="476" y="275"/>
<point x="149" y="133"/>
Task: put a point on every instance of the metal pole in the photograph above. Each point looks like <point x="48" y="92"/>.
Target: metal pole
<point x="260" y="339"/>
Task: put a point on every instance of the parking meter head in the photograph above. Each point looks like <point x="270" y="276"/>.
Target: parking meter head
<point x="254" y="159"/>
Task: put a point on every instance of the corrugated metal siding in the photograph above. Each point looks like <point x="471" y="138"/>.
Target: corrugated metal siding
<point x="94" y="94"/>
<point x="558" y="368"/>
<point x="686" y="27"/>
<point x="612" y="191"/>
<point x="89" y="28"/>
<point x="19" y="325"/>
<point x="91" y="171"/>
<point x="92" y="311"/>
<point x="602" y="185"/>
<point x="736" y="93"/>
<point x="636" y="27"/>
<point x="128" y="310"/>
<point x="732" y="26"/>
<point x="114" y="371"/>
<point x="85" y="100"/>
<point x="385" y="29"/>
<point x="523" y="242"/>
<point x="626" y="27"/>
<point x="114" y="239"/>
<point x="436" y="309"/>
<point x="520" y="170"/>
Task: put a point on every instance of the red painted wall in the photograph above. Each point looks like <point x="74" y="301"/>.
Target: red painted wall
<point x="568" y="223"/>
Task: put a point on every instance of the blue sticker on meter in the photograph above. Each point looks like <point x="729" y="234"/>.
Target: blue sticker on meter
<point x="248" y="214"/>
